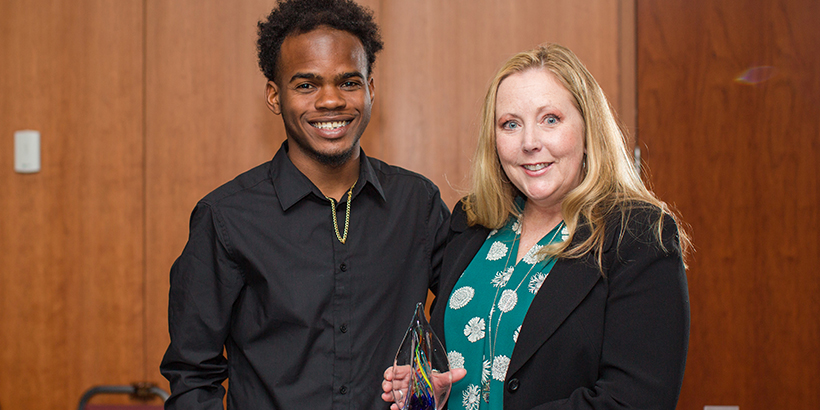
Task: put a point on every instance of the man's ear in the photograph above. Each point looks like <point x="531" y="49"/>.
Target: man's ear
<point x="272" y="97"/>
<point x="372" y="87"/>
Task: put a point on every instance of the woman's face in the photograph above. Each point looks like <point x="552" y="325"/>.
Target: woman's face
<point x="539" y="136"/>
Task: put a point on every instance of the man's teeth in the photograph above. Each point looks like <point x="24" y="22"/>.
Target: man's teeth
<point x="330" y="125"/>
<point x="535" y="167"/>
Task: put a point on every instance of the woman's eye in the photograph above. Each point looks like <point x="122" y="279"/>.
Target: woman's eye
<point x="551" y="120"/>
<point x="510" y="125"/>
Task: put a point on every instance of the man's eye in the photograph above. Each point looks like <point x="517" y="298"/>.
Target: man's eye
<point x="304" y="86"/>
<point x="350" y="84"/>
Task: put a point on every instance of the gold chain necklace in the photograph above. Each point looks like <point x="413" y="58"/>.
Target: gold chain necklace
<point x="342" y="238"/>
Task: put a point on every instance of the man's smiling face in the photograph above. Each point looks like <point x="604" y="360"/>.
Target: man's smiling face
<point x="324" y="94"/>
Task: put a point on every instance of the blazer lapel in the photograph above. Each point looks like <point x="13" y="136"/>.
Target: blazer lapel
<point x="565" y="287"/>
<point x="464" y="247"/>
<point x="467" y="250"/>
<point x="568" y="283"/>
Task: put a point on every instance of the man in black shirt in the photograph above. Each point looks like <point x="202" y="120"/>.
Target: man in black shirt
<point x="305" y="269"/>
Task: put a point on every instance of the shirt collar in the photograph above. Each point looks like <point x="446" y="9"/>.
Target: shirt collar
<point x="292" y="185"/>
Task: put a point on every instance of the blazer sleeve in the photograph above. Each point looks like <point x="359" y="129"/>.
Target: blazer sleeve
<point x="646" y="323"/>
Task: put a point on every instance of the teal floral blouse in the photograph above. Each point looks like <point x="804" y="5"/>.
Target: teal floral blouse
<point x="486" y="310"/>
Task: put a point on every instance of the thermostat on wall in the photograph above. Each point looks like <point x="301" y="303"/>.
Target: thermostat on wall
<point x="27" y="151"/>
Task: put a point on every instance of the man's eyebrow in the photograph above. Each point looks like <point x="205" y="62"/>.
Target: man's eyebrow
<point x="352" y="74"/>
<point x="305" y="76"/>
<point x="340" y="77"/>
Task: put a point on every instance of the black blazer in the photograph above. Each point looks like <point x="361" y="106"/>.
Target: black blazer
<point x="593" y="341"/>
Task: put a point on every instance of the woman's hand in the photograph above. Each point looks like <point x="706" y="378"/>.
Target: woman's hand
<point x="401" y="378"/>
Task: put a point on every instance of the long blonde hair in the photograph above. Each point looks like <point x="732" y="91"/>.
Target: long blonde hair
<point x="610" y="183"/>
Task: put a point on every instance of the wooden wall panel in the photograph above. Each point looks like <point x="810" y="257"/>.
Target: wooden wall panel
<point x="440" y="56"/>
<point x="147" y="105"/>
<point x="206" y="122"/>
<point x="737" y="151"/>
<point x="72" y="262"/>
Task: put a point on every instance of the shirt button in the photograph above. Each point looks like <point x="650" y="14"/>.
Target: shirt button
<point x="343" y="267"/>
<point x="343" y="328"/>
<point x="343" y="390"/>
<point x="512" y="386"/>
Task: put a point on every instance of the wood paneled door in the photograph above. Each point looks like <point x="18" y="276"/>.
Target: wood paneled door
<point x="728" y="108"/>
<point x="72" y="265"/>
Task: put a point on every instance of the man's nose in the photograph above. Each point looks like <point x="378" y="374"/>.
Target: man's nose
<point x="330" y="98"/>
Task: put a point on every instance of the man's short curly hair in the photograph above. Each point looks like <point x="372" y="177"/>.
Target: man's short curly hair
<point x="302" y="16"/>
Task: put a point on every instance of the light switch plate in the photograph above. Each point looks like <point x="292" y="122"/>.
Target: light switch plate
<point x="27" y="151"/>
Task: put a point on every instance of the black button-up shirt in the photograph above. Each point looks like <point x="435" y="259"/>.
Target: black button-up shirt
<point x="307" y="322"/>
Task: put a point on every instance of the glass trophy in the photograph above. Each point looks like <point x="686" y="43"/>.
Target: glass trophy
<point x="421" y="372"/>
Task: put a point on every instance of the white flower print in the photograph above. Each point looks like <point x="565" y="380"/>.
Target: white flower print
<point x="536" y="281"/>
<point x="461" y="297"/>
<point x="515" y="335"/>
<point x="501" y="278"/>
<point x="500" y="365"/>
<point x="493" y="232"/>
<point x="474" y="329"/>
<point x="508" y="300"/>
<point x="532" y="257"/>
<point x="564" y="233"/>
<point x="485" y="371"/>
<point x="471" y="397"/>
<point x="497" y="251"/>
<point x="456" y="360"/>
<point x="516" y="227"/>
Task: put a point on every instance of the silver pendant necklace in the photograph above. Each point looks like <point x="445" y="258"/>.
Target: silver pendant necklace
<point x="508" y="301"/>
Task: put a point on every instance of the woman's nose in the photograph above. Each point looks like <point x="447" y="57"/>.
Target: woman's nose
<point x="530" y="140"/>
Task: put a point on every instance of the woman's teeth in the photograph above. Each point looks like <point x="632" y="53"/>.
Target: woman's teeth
<point x="535" y="167"/>
<point x="329" y="125"/>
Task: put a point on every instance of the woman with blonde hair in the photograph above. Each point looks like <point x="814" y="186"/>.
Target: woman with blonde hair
<point x="563" y="283"/>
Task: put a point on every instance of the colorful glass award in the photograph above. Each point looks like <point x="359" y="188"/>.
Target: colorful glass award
<point x="421" y="372"/>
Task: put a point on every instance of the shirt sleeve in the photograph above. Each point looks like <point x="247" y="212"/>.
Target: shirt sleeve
<point x="438" y="226"/>
<point x="646" y="325"/>
<point x="205" y="282"/>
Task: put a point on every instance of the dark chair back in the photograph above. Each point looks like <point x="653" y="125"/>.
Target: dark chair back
<point x="140" y="393"/>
